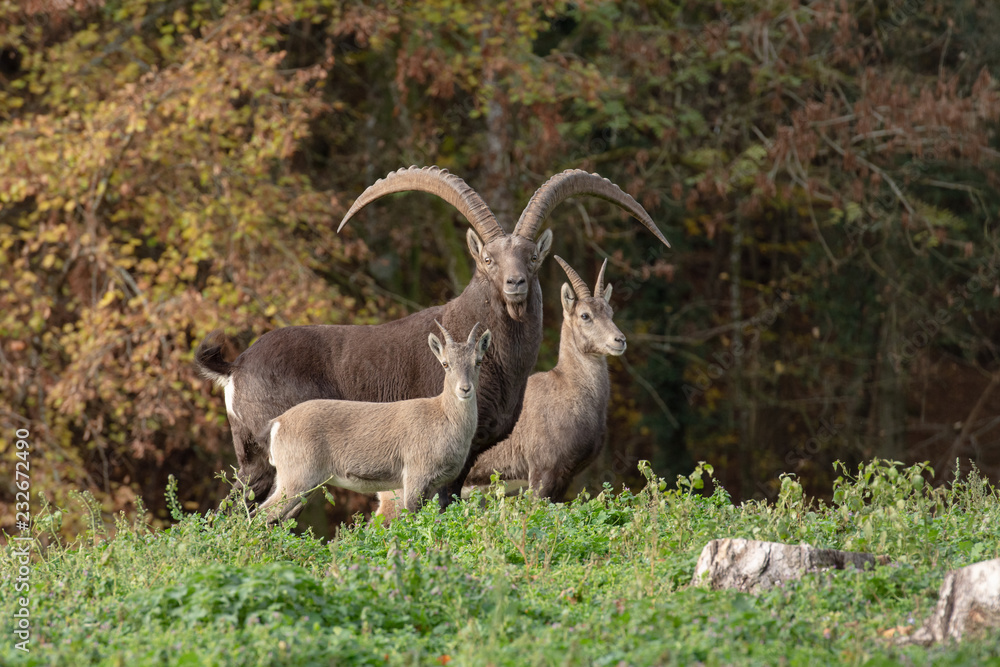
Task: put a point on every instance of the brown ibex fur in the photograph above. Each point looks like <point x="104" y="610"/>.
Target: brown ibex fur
<point x="288" y="366"/>
<point x="416" y="445"/>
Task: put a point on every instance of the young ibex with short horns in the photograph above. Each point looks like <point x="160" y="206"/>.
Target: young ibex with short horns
<point x="288" y="366"/>
<point x="562" y="426"/>
<point x="416" y="445"/>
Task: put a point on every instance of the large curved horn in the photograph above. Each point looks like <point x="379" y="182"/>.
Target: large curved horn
<point x="574" y="182"/>
<point x="580" y="287"/>
<point x="599" y="285"/>
<point x="447" y="336"/>
<point x="436" y="181"/>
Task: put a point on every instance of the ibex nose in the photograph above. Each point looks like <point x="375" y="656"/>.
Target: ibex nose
<point x="620" y="339"/>
<point x="464" y="391"/>
<point x="516" y="286"/>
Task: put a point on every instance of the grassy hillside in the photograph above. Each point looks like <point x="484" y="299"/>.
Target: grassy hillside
<point x="604" y="580"/>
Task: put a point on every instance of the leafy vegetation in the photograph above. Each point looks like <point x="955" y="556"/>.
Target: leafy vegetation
<point x="603" y="580"/>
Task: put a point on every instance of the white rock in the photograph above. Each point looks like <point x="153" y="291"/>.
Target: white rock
<point x="968" y="604"/>
<point x="751" y="566"/>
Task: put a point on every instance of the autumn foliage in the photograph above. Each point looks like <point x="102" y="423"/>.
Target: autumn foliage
<point x="826" y="170"/>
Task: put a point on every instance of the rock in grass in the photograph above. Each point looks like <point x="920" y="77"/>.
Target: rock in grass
<point x="968" y="604"/>
<point x="751" y="566"/>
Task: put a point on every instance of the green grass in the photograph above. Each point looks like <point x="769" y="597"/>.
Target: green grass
<point x="603" y="580"/>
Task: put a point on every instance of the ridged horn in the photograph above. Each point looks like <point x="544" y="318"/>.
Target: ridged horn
<point x="436" y="181"/>
<point x="448" y="340"/>
<point x="472" y="334"/>
<point x="580" y="287"/>
<point x="599" y="285"/>
<point x="571" y="183"/>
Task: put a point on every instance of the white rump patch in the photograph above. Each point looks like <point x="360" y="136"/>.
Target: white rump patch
<point x="274" y="435"/>
<point x="229" y="390"/>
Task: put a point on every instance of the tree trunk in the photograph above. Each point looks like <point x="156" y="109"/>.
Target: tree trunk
<point x="496" y="187"/>
<point x="887" y="419"/>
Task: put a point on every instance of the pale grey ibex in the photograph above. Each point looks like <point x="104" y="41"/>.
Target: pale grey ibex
<point x="288" y="366"/>
<point x="416" y="445"/>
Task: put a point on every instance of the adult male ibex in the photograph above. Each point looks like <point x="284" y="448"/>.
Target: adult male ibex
<point x="416" y="445"/>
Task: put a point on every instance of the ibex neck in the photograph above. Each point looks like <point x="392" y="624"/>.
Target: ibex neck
<point x="588" y="368"/>
<point x="462" y="414"/>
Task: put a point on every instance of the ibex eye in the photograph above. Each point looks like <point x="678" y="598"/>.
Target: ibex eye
<point x="585" y="317"/>
<point x="444" y="365"/>
<point x="488" y="260"/>
<point x="534" y="258"/>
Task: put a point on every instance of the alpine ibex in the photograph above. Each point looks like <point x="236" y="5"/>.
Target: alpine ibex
<point x="294" y="364"/>
<point x="562" y="425"/>
<point x="416" y="445"/>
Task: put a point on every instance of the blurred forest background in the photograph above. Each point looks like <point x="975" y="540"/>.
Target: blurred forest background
<point x="826" y="172"/>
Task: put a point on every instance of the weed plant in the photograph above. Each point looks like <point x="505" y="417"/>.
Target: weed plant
<point x="602" y="580"/>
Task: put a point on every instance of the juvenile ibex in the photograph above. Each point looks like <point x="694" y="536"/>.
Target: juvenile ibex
<point x="562" y="425"/>
<point x="288" y="366"/>
<point x="416" y="445"/>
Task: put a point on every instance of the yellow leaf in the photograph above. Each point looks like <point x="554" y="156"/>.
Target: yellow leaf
<point x="108" y="297"/>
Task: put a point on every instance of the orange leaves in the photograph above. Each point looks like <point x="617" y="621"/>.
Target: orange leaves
<point x="897" y="631"/>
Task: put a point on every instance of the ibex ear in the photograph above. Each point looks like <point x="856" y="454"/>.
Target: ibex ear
<point x="483" y="344"/>
<point x="568" y="297"/>
<point x="475" y="243"/>
<point x="544" y="244"/>
<point x="607" y="293"/>
<point x="436" y="347"/>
